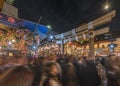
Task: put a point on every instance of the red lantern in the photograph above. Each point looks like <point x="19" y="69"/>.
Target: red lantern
<point x="11" y="20"/>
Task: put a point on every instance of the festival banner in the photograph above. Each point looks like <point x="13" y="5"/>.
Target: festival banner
<point x="8" y="20"/>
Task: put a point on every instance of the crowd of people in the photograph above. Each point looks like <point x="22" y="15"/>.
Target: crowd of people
<point x="60" y="70"/>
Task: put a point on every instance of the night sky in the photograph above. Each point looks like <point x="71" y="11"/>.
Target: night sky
<point x="64" y="15"/>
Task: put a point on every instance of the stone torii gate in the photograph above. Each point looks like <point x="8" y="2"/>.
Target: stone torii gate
<point x="88" y="29"/>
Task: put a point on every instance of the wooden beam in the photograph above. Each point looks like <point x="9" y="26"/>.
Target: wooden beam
<point x="102" y="20"/>
<point x="101" y="31"/>
<point x="98" y="32"/>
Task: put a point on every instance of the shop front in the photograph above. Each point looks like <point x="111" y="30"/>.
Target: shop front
<point x="101" y="48"/>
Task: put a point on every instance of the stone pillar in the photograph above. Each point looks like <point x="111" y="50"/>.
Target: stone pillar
<point x="91" y="45"/>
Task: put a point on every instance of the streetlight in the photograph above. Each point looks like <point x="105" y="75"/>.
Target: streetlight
<point x="34" y="47"/>
<point x="51" y="37"/>
<point x="49" y="27"/>
<point x="106" y="6"/>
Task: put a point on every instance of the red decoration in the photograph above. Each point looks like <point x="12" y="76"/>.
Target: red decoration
<point x="11" y="20"/>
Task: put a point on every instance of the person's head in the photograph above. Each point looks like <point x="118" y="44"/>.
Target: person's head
<point x="51" y="68"/>
<point x="118" y="59"/>
<point x="113" y="60"/>
<point x="69" y="58"/>
<point x="79" y="59"/>
<point x="42" y="60"/>
<point x="19" y="76"/>
<point x="23" y="61"/>
<point x="1" y="61"/>
<point x="53" y="57"/>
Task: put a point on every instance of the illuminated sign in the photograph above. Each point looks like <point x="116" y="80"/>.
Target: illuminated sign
<point x="10" y="20"/>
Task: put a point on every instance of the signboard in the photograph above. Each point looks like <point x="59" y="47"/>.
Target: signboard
<point x="101" y="31"/>
<point x="90" y="25"/>
<point x="10" y="20"/>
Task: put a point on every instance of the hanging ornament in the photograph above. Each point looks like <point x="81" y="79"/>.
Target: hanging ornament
<point x="62" y="36"/>
<point x="65" y="41"/>
<point x="69" y="39"/>
<point x="38" y="42"/>
<point x="76" y="38"/>
<point x="73" y="32"/>
<point x="90" y="25"/>
<point x="11" y="20"/>
<point x="84" y="36"/>
<point x="20" y="33"/>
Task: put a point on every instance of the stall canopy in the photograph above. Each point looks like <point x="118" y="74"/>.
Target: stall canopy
<point x="40" y="29"/>
<point x="16" y="23"/>
<point x="32" y="26"/>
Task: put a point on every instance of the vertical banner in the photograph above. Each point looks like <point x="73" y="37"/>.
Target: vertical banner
<point x="76" y="38"/>
<point x="90" y="25"/>
<point x="84" y="36"/>
<point x="65" y="40"/>
<point x="73" y="32"/>
<point x="38" y="42"/>
<point x="69" y="39"/>
<point x="62" y="36"/>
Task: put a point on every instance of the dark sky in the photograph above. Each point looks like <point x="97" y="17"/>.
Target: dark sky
<point x="64" y="15"/>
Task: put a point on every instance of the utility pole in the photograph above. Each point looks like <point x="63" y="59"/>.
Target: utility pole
<point x="35" y="30"/>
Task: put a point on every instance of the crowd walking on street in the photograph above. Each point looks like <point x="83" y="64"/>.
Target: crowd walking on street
<point x="60" y="70"/>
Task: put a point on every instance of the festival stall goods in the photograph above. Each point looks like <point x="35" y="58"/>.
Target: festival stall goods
<point x="49" y="49"/>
